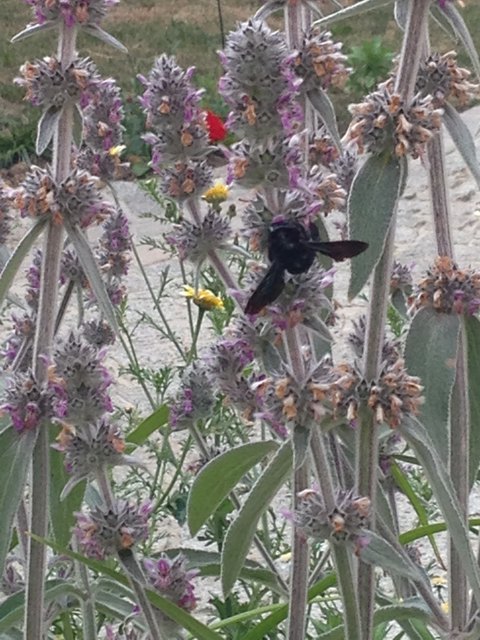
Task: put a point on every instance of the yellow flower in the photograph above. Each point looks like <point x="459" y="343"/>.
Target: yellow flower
<point x="216" y="194"/>
<point x="116" y="151"/>
<point x="203" y="298"/>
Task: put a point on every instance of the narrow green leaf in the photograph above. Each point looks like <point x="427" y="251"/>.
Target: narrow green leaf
<point x="219" y="477"/>
<point x="9" y="271"/>
<point x="431" y="354"/>
<point x="357" y="9"/>
<point x="472" y="329"/>
<point x="326" y="111"/>
<point x="12" y="609"/>
<point x="62" y="511"/>
<point x="429" y="530"/>
<point x="462" y="139"/>
<point x="277" y="617"/>
<point x="404" y="485"/>
<point x="457" y="22"/>
<point x="371" y="207"/>
<point x="436" y="472"/>
<point x="408" y="610"/>
<point x="152" y="423"/>
<point x="31" y="30"/>
<point x="89" y="265"/>
<point x="382" y="554"/>
<point x="240" y="533"/>
<point x="15" y="457"/>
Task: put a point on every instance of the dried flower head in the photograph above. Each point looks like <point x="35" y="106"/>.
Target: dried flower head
<point x="84" y="379"/>
<point x="326" y="194"/>
<point x="392" y="397"/>
<point x="48" y="84"/>
<point x="448" y="289"/>
<point x="98" y="333"/>
<point x="383" y="121"/>
<point x="346" y="522"/>
<point x="76" y="199"/>
<point x="184" y="180"/>
<point x="177" y="124"/>
<point x="70" y="12"/>
<point x="105" y="532"/>
<point x="91" y="450"/>
<point x="259" y="83"/>
<point x="321" y="149"/>
<point x="172" y="580"/>
<point x="320" y="62"/>
<point x="441" y="77"/>
<point x="71" y="270"/>
<point x="401" y="279"/>
<point x="194" y="241"/>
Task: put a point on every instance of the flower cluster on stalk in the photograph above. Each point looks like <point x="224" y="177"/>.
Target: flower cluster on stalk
<point x="105" y="532"/>
<point x="319" y="62"/>
<point x="447" y="289"/>
<point x="172" y="580"/>
<point x="441" y="77"/>
<point x="5" y="218"/>
<point x="382" y="121"/>
<point x="70" y="12"/>
<point x="48" y="84"/>
<point x="346" y="522"/>
<point x="75" y="200"/>
<point x="102" y="129"/>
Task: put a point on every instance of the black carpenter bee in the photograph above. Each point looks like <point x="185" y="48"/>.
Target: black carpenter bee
<point x="292" y="248"/>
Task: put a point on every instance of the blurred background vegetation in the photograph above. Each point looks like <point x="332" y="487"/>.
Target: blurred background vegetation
<point x="190" y="31"/>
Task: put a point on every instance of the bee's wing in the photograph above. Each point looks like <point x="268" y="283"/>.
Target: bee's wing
<point x="270" y="287"/>
<point x="340" y="249"/>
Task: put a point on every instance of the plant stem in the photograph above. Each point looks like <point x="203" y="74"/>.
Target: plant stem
<point x="89" y="626"/>
<point x="52" y="251"/>
<point x="367" y="440"/>
<point x="300" y="560"/>
<point x="193" y="349"/>
<point x="460" y="412"/>
<point x="351" y="612"/>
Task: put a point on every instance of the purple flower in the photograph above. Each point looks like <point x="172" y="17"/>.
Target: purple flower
<point x="70" y="12"/>
<point x="172" y="580"/>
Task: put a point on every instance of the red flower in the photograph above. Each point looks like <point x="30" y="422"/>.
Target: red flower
<point x="216" y="128"/>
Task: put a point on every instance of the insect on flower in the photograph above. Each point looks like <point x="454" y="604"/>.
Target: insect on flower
<point x="292" y="248"/>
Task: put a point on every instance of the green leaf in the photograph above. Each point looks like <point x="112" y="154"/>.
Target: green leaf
<point x="430" y="530"/>
<point x="9" y="271"/>
<point x="357" y="9"/>
<point x="46" y="128"/>
<point x="12" y="609"/>
<point x="463" y="139"/>
<point x="414" y="608"/>
<point x="15" y="456"/>
<point x="436" y="472"/>
<point x="403" y="484"/>
<point x="152" y="423"/>
<point x="472" y="329"/>
<point x="371" y="207"/>
<point x="97" y="32"/>
<point x="457" y="22"/>
<point x="31" y="30"/>
<point x="62" y="511"/>
<point x="219" y="477"/>
<point x="431" y="354"/>
<point x="382" y="554"/>
<point x="326" y="112"/>
<point x="89" y="265"/>
<point x="240" y="533"/>
<point x="277" y="617"/>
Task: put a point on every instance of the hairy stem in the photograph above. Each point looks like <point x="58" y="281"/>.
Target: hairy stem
<point x="367" y="440"/>
<point x="52" y="251"/>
